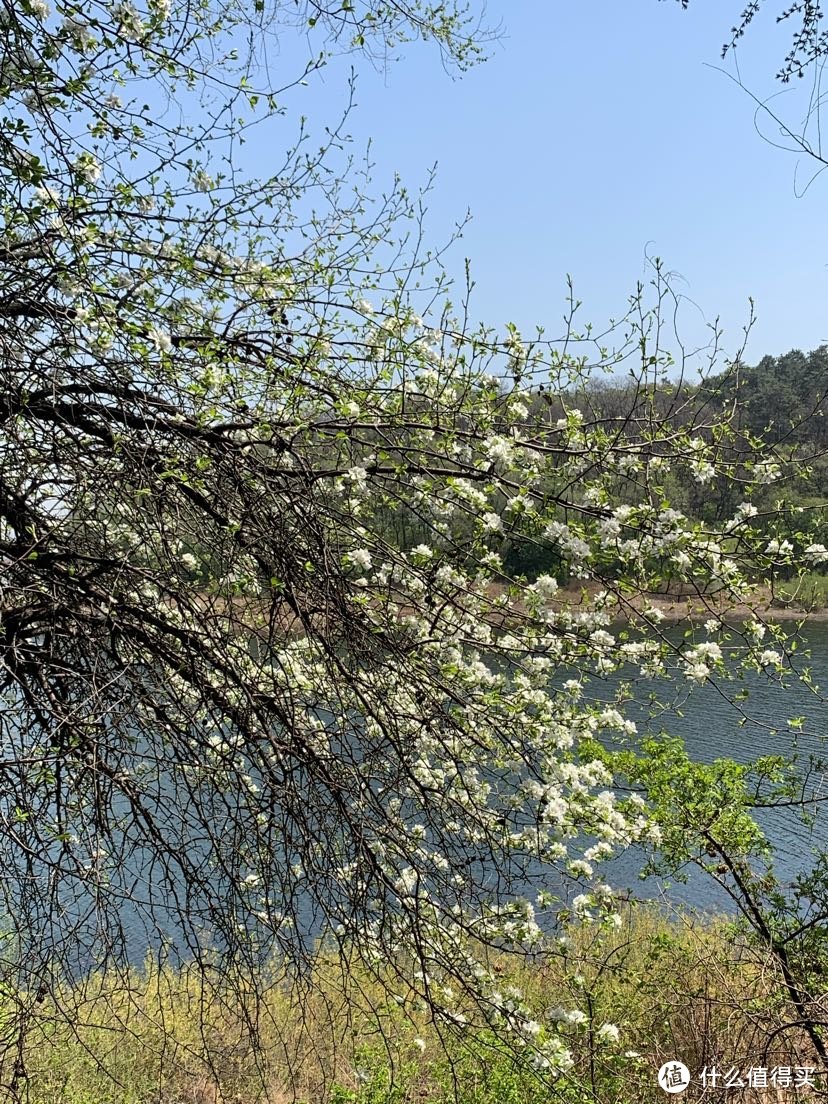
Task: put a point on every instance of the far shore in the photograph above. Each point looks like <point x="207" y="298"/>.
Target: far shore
<point x="699" y="607"/>
<point x="576" y="596"/>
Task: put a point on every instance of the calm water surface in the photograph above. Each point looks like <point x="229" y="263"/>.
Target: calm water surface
<point x="710" y="727"/>
<point x="709" y="724"/>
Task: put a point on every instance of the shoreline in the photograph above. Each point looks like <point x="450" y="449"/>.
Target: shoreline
<point x="678" y="608"/>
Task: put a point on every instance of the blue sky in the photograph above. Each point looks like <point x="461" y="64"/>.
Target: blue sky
<point x="594" y="136"/>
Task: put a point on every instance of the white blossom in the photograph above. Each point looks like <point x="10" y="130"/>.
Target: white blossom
<point x="702" y="470"/>
<point x="499" y="450"/>
<point x="755" y="629"/>
<point x="358" y="476"/>
<point x="130" y="24"/>
<point x="779" y="548"/>
<point x="202" y="182"/>
<point x="770" y="658"/>
<point x="406" y="883"/>
<point x="88" y="168"/>
<point x="78" y="32"/>
<point x="160" y="339"/>
<point x="706" y="650"/>
<point x="766" y="471"/>
<point x="360" y="557"/>
<point x="816" y="553"/>
<point x="545" y="586"/>
<point x="698" y="672"/>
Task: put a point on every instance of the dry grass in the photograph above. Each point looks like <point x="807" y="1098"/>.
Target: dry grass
<point x="679" y="989"/>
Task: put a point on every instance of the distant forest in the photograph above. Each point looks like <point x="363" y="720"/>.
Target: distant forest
<point x="778" y="409"/>
<point x="781" y="400"/>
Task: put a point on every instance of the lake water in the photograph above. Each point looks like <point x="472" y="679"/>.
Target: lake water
<point x="709" y="725"/>
<point x="706" y="720"/>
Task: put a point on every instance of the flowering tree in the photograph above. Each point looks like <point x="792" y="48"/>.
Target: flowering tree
<point x="266" y="675"/>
